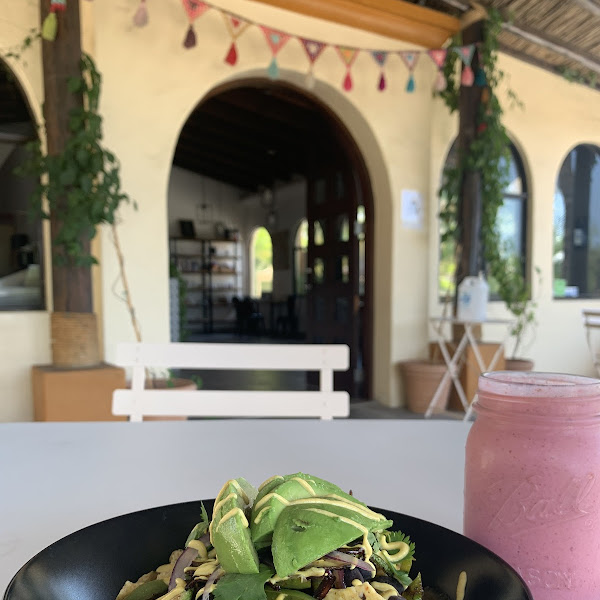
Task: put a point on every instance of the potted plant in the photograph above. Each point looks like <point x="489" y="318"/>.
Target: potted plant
<point x="519" y="301"/>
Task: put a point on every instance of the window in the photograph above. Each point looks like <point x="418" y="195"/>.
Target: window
<point x="576" y="251"/>
<point x="21" y="276"/>
<point x="261" y="263"/>
<point x="300" y="257"/>
<point x="511" y="222"/>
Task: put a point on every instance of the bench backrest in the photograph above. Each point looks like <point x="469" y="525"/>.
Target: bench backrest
<point x="324" y="403"/>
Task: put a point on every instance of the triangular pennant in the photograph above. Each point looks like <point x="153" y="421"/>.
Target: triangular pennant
<point x="194" y="9"/>
<point x="235" y="25"/>
<point x="465" y="53"/>
<point x="438" y="56"/>
<point x="410" y="58"/>
<point x="276" y="39"/>
<point x="313" y="49"/>
<point x="348" y="55"/>
<point x="379" y="56"/>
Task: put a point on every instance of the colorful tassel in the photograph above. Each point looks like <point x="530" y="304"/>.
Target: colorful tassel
<point x="380" y="57"/>
<point x="273" y="70"/>
<point x="231" y="57"/>
<point x="140" y="19"/>
<point x="190" y="38"/>
<point x="348" y="56"/>
<point x="480" y="78"/>
<point x="50" y="27"/>
<point x="58" y="5"/>
<point x="467" y="78"/>
<point x="381" y="84"/>
<point x="410" y="59"/>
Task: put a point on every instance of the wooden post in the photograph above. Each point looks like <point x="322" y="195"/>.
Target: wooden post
<point x="469" y="258"/>
<point x="72" y="286"/>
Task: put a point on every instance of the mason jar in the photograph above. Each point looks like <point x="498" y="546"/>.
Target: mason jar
<point x="532" y="479"/>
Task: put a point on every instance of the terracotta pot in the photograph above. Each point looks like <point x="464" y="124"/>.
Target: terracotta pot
<point x="421" y="380"/>
<point x="175" y="383"/>
<point x="518" y="364"/>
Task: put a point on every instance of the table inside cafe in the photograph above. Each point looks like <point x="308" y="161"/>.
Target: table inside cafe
<point x="56" y="478"/>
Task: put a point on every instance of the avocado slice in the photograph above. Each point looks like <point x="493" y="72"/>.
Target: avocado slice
<point x="229" y="529"/>
<point x="309" y="528"/>
<point x="278" y="493"/>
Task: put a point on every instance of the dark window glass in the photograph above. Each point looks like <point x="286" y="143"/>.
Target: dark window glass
<point x="511" y="222"/>
<point x="576" y="251"/>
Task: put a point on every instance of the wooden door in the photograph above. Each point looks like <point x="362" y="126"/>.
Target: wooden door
<point x="333" y="296"/>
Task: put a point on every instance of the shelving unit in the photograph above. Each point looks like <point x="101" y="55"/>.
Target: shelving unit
<point x="212" y="270"/>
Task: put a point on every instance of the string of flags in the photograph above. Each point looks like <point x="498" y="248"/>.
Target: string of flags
<point x="276" y="39"/>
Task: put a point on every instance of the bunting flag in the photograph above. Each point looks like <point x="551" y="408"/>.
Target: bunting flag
<point x="439" y="58"/>
<point x="276" y="40"/>
<point x="466" y="54"/>
<point x="410" y="59"/>
<point x="313" y="50"/>
<point x="380" y="57"/>
<point x="348" y="56"/>
<point x="193" y="9"/>
<point x="235" y="26"/>
<point x="141" y="15"/>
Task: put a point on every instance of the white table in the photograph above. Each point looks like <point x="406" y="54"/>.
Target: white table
<point x="56" y="478"/>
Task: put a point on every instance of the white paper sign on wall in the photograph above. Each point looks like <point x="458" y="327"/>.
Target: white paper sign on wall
<point x="412" y="209"/>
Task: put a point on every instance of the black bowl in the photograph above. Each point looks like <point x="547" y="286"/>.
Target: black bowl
<point x="93" y="563"/>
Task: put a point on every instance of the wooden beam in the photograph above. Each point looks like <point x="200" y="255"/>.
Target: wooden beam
<point x="589" y="5"/>
<point x="555" y="45"/>
<point x="392" y="18"/>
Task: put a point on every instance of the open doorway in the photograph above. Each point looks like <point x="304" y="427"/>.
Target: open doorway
<point x="261" y="155"/>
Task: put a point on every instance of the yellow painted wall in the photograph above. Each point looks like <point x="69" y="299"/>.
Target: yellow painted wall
<point x="151" y="84"/>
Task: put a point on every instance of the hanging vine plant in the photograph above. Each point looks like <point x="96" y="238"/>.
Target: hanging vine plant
<point x="80" y="187"/>
<point x="489" y="154"/>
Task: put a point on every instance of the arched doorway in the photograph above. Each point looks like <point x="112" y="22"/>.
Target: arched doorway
<point x="287" y="156"/>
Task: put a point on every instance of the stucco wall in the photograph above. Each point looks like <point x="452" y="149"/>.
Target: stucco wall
<point x="151" y="84"/>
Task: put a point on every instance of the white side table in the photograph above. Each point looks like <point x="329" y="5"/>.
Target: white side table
<point x="453" y="361"/>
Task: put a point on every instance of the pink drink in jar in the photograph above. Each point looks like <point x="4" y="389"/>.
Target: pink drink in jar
<point x="532" y="479"/>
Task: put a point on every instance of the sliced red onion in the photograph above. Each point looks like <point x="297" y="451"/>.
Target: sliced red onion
<point x="213" y="577"/>
<point x="350" y="560"/>
<point x="185" y="560"/>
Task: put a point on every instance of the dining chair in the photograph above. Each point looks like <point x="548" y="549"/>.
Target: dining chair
<point x="140" y="401"/>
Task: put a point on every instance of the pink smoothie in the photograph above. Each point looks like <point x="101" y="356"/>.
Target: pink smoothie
<point x="532" y="480"/>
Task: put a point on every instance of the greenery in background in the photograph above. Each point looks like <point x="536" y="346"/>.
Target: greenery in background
<point x="490" y="155"/>
<point x="80" y="187"/>
<point x="263" y="262"/>
<point x="175" y="273"/>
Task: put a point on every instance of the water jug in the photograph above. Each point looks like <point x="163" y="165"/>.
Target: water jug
<point x="473" y="294"/>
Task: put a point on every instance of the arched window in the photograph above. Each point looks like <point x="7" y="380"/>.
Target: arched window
<point x="261" y="263"/>
<point x="576" y="251"/>
<point x="21" y="247"/>
<point x="511" y="222"/>
<point x="300" y="256"/>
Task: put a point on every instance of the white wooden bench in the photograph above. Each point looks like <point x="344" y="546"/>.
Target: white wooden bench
<point x="591" y="322"/>
<point x="324" y="403"/>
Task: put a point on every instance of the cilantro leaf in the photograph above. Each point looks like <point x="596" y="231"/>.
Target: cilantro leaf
<point x="235" y="586"/>
<point x="200" y="528"/>
<point x="395" y="569"/>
